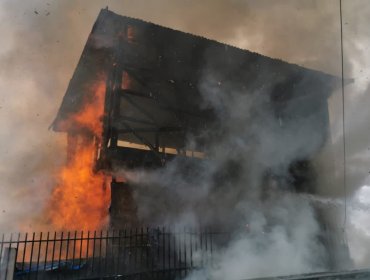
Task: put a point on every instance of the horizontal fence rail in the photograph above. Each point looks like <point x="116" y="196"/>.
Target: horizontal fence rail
<point x="141" y="253"/>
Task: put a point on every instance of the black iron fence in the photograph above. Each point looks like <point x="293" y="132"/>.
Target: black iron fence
<point x="133" y="253"/>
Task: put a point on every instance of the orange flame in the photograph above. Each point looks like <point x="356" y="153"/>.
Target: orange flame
<point x="90" y="117"/>
<point x="81" y="198"/>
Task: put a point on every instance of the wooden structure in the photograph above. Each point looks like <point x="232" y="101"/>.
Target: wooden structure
<point x="153" y="101"/>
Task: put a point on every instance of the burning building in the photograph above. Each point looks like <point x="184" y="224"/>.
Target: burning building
<point x="137" y="101"/>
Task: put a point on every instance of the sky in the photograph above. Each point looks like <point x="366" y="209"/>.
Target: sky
<point x="41" y="41"/>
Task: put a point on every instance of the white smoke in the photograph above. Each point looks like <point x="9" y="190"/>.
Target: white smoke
<point x="39" y="52"/>
<point x="231" y="188"/>
<point x="278" y="243"/>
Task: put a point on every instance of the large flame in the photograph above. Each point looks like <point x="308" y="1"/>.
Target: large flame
<point x="91" y="115"/>
<point x="81" y="198"/>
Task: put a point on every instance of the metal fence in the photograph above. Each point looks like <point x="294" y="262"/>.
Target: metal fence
<point x="142" y="253"/>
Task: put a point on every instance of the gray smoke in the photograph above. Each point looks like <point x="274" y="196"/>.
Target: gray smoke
<point x="231" y="188"/>
<point x="41" y="42"/>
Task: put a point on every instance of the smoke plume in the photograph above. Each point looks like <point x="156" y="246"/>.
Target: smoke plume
<point x="42" y="41"/>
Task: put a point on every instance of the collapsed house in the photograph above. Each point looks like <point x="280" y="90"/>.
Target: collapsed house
<point x="149" y="84"/>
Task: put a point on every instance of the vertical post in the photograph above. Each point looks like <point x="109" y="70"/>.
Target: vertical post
<point x="100" y="251"/>
<point x="212" y="233"/>
<point x="130" y="252"/>
<point x="191" y="248"/>
<point x="106" y="252"/>
<point x="68" y="239"/>
<point x="152" y="255"/>
<point x="174" y="249"/>
<point x="201" y="247"/>
<point x="185" y="255"/>
<point x="169" y="247"/>
<point x="46" y="250"/>
<point x="136" y="249"/>
<point x="206" y="245"/>
<point x="10" y="246"/>
<point x="73" y="253"/>
<point x="142" y="249"/>
<point x="112" y="252"/>
<point x="87" y="250"/>
<point x="17" y="249"/>
<point x="93" y="253"/>
<point x="2" y="246"/>
<point x="123" y="210"/>
<point x="24" y="251"/>
<point x="7" y="263"/>
<point x="124" y="251"/>
<point x="180" y="253"/>
<point x="53" y="251"/>
<point x="163" y="249"/>
<point x="60" y="250"/>
<point x="147" y="249"/>
<point x="80" y="257"/>
<point x="32" y="246"/>
<point x="6" y="260"/>
<point x="115" y="104"/>
<point x="158" y="251"/>
<point x="118" y="252"/>
<point x="80" y="254"/>
<point x="38" y="255"/>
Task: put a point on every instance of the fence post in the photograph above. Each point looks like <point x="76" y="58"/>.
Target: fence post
<point x="7" y="263"/>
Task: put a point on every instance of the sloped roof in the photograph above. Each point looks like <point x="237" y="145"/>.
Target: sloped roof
<point x="171" y="67"/>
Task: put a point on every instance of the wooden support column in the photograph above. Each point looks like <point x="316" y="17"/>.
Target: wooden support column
<point x="123" y="209"/>
<point x="7" y="264"/>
